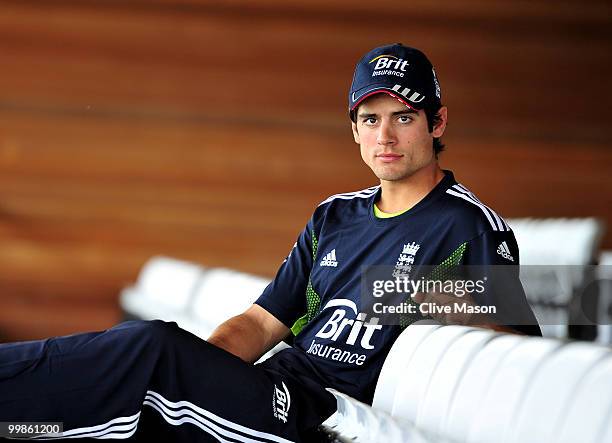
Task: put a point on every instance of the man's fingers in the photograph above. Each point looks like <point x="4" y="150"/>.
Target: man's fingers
<point x="418" y="297"/>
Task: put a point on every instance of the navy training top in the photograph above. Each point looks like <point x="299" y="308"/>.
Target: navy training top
<point x="317" y="289"/>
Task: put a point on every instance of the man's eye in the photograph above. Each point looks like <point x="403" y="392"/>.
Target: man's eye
<point x="405" y="118"/>
<point x="369" y="121"/>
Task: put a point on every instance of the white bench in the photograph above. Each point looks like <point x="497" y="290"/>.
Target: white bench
<point x="197" y="298"/>
<point x="554" y="255"/>
<point x="462" y="384"/>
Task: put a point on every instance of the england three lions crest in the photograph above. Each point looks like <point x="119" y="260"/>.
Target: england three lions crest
<point x="404" y="262"/>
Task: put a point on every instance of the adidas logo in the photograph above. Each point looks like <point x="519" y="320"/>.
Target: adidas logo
<point x="329" y="259"/>
<point x="503" y="250"/>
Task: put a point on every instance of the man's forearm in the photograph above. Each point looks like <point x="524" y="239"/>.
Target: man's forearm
<point x="240" y="336"/>
<point x="249" y="335"/>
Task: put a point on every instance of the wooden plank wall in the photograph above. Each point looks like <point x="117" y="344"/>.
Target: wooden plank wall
<point x="208" y="131"/>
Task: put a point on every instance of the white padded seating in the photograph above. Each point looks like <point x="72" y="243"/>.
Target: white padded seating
<point x="507" y="390"/>
<point x="551" y="391"/>
<point x="465" y="384"/>
<point x="475" y="383"/>
<point x="224" y="293"/>
<point x="356" y="421"/>
<point x="400" y="355"/>
<point x="552" y="243"/>
<point x="197" y="298"/>
<point x="447" y="376"/>
<point x="557" y="241"/>
<point x="461" y="384"/>
<point x="587" y="418"/>
<point x="164" y="289"/>
<point x="412" y="386"/>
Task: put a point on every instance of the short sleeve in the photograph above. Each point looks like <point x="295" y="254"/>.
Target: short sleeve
<point x="285" y="296"/>
<point x="493" y="258"/>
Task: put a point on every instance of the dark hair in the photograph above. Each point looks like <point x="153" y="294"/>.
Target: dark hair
<point x="432" y="113"/>
<point x="433" y="118"/>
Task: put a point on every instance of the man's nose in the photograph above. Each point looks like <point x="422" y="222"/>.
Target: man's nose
<point x="386" y="134"/>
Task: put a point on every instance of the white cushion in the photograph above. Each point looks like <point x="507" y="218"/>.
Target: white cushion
<point x="587" y="417"/>
<point x="357" y="422"/>
<point x="164" y="290"/>
<point x="447" y="376"/>
<point x="496" y="413"/>
<point x="224" y="293"/>
<point x="557" y="241"/>
<point x="475" y="383"/>
<point x="168" y="281"/>
<point x="417" y="374"/>
<point x="551" y="390"/>
<point x="397" y="359"/>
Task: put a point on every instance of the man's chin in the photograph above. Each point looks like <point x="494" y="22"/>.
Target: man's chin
<point x="393" y="177"/>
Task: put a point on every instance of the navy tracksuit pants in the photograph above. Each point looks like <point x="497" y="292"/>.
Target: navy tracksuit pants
<point x="152" y="381"/>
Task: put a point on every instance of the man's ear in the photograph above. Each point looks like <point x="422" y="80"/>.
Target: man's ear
<point x="355" y="133"/>
<point x="438" y="130"/>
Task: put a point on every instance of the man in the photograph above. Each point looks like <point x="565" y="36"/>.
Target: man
<point x="145" y="379"/>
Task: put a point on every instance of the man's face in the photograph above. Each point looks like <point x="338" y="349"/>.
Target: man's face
<point x="394" y="139"/>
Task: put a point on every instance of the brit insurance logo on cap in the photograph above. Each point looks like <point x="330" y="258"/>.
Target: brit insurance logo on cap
<point x="388" y="64"/>
<point x="401" y="71"/>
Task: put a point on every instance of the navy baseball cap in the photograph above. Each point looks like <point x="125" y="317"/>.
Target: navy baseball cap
<point x="400" y="71"/>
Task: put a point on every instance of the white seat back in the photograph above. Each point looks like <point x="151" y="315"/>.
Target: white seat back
<point x="416" y="377"/>
<point x="587" y="418"/>
<point x="551" y="390"/>
<point x="461" y="384"/>
<point x="169" y="281"/>
<point x="540" y="239"/>
<point x="397" y="359"/>
<point x="164" y="289"/>
<point x="496" y="414"/>
<point x="475" y="384"/>
<point x="224" y="293"/>
<point x="197" y="298"/>
<point x="447" y="376"/>
<point x="357" y="422"/>
<point x="554" y="243"/>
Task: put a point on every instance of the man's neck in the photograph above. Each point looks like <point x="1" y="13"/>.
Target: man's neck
<point x="403" y="194"/>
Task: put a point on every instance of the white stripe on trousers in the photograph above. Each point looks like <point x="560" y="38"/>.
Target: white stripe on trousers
<point x="209" y="416"/>
<point x="185" y="412"/>
<point x="187" y="415"/>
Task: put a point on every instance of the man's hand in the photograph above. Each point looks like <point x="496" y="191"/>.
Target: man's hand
<point x="250" y="334"/>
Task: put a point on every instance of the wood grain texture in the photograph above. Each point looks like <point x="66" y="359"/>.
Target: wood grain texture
<point x="209" y="131"/>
